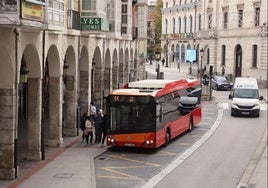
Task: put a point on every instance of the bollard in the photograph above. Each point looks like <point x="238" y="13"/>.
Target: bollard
<point x="161" y="75"/>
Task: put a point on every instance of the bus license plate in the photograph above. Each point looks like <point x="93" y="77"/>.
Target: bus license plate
<point x="129" y="145"/>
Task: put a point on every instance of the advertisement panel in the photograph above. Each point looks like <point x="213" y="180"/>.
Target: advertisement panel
<point x="32" y="10"/>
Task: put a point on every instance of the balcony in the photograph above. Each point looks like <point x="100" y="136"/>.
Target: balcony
<point x="9" y="12"/>
<point x="207" y="34"/>
<point x="73" y="19"/>
<point x="8" y="5"/>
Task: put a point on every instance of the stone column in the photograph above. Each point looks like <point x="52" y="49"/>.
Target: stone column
<point x="70" y="128"/>
<point x="34" y="119"/>
<point x="84" y="91"/>
<point x="115" y="77"/>
<point x="7" y="132"/>
<point x="55" y="111"/>
<point x="107" y="81"/>
<point x="98" y="89"/>
<point x="121" y="75"/>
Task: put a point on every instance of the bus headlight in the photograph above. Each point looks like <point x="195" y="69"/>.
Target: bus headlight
<point x="110" y="140"/>
<point x="149" y="142"/>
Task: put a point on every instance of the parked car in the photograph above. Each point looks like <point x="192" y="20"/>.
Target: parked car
<point x="187" y="104"/>
<point x="221" y="83"/>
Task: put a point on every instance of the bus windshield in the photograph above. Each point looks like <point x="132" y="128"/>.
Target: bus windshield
<point x="132" y="117"/>
<point x="246" y="93"/>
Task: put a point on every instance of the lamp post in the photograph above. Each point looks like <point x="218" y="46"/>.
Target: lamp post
<point x="167" y="42"/>
<point x="65" y="70"/>
<point x="23" y="73"/>
<point x="201" y="64"/>
<point x="157" y="58"/>
<point x="92" y="76"/>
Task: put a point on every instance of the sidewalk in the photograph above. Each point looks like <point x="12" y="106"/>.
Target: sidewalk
<point x="59" y="169"/>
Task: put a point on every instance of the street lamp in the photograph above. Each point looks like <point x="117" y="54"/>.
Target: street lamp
<point x="65" y="70"/>
<point x="92" y="76"/>
<point x="167" y="42"/>
<point x="23" y="73"/>
<point x="93" y="62"/>
<point x="201" y="64"/>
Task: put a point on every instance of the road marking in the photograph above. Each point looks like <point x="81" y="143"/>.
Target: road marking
<point x="181" y="144"/>
<point x="167" y="153"/>
<point x="121" y="173"/>
<point x="263" y="107"/>
<point x="207" y="117"/>
<point x="225" y="105"/>
<point x="136" y="161"/>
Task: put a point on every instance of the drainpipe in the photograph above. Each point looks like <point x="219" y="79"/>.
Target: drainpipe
<point x="43" y="100"/>
<point x="78" y="114"/>
<point x="17" y="102"/>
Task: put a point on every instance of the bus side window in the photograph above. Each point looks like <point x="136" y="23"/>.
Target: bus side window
<point x="159" y="112"/>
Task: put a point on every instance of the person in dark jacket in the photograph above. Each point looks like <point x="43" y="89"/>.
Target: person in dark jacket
<point x="98" y="123"/>
<point x="104" y="128"/>
<point x="82" y="125"/>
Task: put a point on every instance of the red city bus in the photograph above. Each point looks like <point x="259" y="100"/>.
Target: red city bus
<point x="149" y="113"/>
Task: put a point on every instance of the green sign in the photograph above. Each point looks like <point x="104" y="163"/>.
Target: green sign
<point x="97" y="24"/>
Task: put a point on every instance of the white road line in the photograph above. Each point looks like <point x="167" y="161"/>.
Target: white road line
<point x="225" y="105"/>
<point x="263" y="107"/>
<point x="180" y="159"/>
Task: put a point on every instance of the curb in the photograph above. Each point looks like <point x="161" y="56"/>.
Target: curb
<point x="255" y="161"/>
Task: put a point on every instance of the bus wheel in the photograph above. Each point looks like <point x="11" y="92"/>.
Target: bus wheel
<point x="191" y="125"/>
<point x="167" y="138"/>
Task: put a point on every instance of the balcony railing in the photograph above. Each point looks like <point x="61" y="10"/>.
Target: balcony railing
<point x="8" y="5"/>
<point x="74" y="19"/>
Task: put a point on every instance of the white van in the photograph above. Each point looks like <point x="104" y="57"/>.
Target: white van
<point x="245" y="97"/>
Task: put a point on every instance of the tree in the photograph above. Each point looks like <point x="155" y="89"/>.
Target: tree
<point x="157" y="14"/>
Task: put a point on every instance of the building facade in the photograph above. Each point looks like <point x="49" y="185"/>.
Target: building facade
<point x="56" y="57"/>
<point x="231" y="34"/>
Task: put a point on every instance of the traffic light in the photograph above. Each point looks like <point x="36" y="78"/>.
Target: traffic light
<point x="210" y="69"/>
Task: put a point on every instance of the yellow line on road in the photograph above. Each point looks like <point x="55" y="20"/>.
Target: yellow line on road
<point x="115" y="177"/>
<point x="135" y="161"/>
<point x="121" y="173"/>
<point x="167" y="153"/>
<point x="122" y="167"/>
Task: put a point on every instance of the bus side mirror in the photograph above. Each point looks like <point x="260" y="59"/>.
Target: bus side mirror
<point x="230" y="96"/>
<point x="261" y="97"/>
